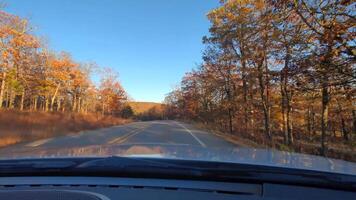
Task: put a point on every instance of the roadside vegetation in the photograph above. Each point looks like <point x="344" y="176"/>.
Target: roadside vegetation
<point x="278" y="73"/>
<point x="45" y="93"/>
<point x="27" y="126"/>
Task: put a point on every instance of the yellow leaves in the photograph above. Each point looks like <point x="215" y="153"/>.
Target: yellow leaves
<point x="230" y="16"/>
<point x="214" y="15"/>
<point x="239" y="2"/>
<point x="336" y="52"/>
<point x="235" y="11"/>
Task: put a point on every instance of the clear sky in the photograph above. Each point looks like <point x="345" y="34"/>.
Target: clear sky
<point x="150" y="43"/>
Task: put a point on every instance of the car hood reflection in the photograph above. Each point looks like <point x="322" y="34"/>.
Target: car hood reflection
<point x="189" y="152"/>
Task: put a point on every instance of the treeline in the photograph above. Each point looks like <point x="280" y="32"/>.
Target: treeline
<point x="145" y="111"/>
<point x="154" y="113"/>
<point x="275" y="69"/>
<point x="34" y="78"/>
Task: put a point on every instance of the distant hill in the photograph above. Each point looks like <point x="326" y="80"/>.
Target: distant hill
<point x="142" y="107"/>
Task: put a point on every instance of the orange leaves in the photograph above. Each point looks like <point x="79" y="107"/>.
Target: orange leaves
<point x="63" y="71"/>
<point x="78" y="78"/>
<point x="259" y="4"/>
<point x="24" y="41"/>
<point x="62" y="67"/>
<point x="17" y="44"/>
<point x="111" y="92"/>
<point x="51" y="81"/>
<point x="5" y="55"/>
<point x="5" y="31"/>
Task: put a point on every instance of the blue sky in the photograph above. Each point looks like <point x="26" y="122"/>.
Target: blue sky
<point x="150" y="43"/>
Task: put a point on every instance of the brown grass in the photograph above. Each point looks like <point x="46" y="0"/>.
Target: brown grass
<point x="336" y="148"/>
<point x="18" y="127"/>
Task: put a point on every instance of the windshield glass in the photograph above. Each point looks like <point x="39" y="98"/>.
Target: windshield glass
<point x="259" y="82"/>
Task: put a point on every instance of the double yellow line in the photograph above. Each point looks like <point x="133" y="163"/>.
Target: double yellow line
<point x="132" y="133"/>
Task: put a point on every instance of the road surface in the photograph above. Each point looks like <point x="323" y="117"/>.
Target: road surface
<point x="150" y="133"/>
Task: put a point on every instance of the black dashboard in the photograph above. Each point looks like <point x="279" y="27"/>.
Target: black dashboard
<point x="117" y="188"/>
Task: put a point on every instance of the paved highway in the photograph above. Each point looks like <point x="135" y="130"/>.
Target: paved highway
<point x="150" y="133"/>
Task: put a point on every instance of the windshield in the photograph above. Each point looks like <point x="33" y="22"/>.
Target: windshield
<point x="259" y="82"/>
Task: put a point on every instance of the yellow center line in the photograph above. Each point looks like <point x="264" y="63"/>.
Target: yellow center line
<point x="128" y="135"/>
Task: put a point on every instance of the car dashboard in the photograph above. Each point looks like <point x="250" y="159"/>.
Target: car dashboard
<point x="117" y="188"/>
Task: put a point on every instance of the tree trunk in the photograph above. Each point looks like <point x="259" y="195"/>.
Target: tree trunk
<point x="74" y="103"/>
<point x="289" y="125"/>
<point x="42" y="103"/>
<point x="285" y="125"/>
<point x="252" y="117"/>
<point x="54" y="96"/>
<point x="266" y="121"/>
<point x="265" y="105"/>
<point x="308" y="115"/>
<point x="342" y="123"/>
<point x="6" y="96"/>
<point x="324" y="115"/>
<point x="86" y="108"/>
<point x="80" y="106"/>
<point x="286" y="99"/>
<point x="58" y="104"/>
<point x="245" y="91"/>
<point x="283" y="107"/>
<point x="230" y="120"/>
<point x="2" y="89"/>
<point x="103" y="109"/>
<point x="47" y="104"/>
<point x="11" y="99"/>
<point x="35" y="103"/>
<point x="334" y="131"/>
<point x="353" y="124"/>
<point x="313" y="123"/>
<point x="22" y="100"/>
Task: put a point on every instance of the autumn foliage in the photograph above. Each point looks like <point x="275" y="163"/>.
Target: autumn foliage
<point x="36" y="79"/>
<point x="281" y="73"/>
<point x="46" y="94"/>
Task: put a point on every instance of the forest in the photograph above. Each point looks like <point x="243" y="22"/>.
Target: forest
<point x="35" y="78"/>
<point x="44" y="93"/>
<point x="279" y="73"/>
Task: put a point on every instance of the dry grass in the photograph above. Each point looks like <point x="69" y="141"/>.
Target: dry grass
<point x="336" y="148"/>
<point x="18" y="127"/>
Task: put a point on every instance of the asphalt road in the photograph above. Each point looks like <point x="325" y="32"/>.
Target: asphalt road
<point x="150" y="133"/>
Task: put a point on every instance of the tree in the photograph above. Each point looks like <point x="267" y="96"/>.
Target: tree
<point x="275" y="68"/>
<point x="35" y="78"/>
<point x="112" y="94"/>
<point x="127" y="112"/>
<point x="330" y="22"/>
